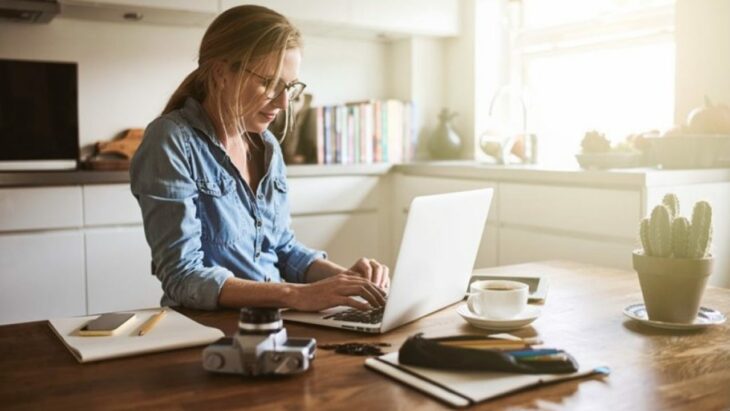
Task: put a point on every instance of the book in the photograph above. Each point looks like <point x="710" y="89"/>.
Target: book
<point x="461" y="389"/>
<point x="172" y="332"/>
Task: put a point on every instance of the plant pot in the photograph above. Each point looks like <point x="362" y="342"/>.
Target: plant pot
<point x="672" y="287"/>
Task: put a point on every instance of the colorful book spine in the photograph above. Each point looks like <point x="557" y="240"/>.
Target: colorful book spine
<point x="372" y="131"/>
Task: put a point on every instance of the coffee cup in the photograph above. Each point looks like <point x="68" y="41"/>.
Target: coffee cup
<point x="497" y="299"/>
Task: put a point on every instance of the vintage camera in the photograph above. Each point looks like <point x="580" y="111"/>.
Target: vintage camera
<point x="261" y="347"/>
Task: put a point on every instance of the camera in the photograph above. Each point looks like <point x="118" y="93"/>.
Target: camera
<point x="261" y="347"/>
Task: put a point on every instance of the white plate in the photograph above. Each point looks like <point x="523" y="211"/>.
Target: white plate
<point x="529" y="315"/>
<point x="706" y="317"/>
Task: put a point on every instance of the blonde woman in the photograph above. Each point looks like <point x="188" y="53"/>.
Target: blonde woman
<point x="211" y="182"/>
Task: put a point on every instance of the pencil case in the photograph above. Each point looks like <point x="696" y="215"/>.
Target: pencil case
<point x="430" y="353"/>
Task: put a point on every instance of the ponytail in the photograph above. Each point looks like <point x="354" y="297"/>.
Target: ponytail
<point x="190" y="87"/>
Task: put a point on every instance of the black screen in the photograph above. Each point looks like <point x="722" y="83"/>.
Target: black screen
<point x="38" y="110"/>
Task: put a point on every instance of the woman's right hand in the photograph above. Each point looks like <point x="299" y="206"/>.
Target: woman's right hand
<point x="337" y="290"/>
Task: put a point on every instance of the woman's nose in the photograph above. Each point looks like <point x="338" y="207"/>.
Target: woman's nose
<point x="281" y="101"/>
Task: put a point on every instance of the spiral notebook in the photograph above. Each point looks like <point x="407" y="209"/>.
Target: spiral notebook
<point x="461" y="389"/>
<point x="172" y="332"/>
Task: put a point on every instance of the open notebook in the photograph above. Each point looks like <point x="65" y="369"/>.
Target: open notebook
<point x="461" y="389"/>
<point x="173" y="331"/>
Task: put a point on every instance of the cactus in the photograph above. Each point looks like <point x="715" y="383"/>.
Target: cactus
<point x="644" y="236"/>
<point x="700" y="232"/>
<point x="680" y="237"/>
<point x="667" y="234"/>
<point x="660" y="232"/>
<point x="672" y="202"/>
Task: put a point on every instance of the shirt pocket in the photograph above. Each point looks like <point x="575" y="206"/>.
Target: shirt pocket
<point x="222" y="216"/>
<point x="281" y="202"/>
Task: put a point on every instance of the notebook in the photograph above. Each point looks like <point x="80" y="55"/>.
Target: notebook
<point x="173" y="331"/>
<point x="461" y="389"/>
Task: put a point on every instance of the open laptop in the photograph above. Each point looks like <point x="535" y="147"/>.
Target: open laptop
<point x="436" y="258"/>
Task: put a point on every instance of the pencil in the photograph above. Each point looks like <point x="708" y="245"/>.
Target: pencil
<point x="149" y="324"/>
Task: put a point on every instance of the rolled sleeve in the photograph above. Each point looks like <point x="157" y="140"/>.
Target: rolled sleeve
<point x="296" y="258"/>
<point x="162" y="183"/>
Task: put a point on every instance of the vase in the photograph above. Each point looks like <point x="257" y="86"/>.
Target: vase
<point x="445" y="143"/>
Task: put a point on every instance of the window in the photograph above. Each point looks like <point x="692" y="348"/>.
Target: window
<point x="606" y="65"/>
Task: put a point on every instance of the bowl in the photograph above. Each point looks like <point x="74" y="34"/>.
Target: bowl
<point x="611" y="159"/>
<point x="690" y="151"/>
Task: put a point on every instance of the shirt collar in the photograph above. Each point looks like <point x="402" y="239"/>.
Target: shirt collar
<point x="198" y="118"/>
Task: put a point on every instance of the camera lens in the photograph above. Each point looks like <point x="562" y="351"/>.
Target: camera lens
<point x="255" y="320"/>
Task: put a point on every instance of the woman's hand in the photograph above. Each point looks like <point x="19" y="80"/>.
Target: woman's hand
<point x="375" y="272"/>
<point x="337" y="290"/>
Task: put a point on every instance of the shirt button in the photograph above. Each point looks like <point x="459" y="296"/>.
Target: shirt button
<point x="258" y="254"/>
<point x="258" y="223"/>
<point x="260" y="196"/>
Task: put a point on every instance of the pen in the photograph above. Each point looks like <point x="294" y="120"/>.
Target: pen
<point x="149" y="324"/>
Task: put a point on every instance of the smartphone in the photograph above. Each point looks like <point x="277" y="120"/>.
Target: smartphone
<point x="106" y="324"/>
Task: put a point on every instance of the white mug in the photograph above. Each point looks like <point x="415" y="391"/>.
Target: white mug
<point x="497" y="299"/>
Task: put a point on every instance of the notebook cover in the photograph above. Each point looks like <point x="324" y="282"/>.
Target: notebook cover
<point x="467" y="388"/>
<point x="173" y="331"/>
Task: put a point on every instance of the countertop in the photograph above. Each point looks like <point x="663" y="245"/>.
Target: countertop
<point x="528" y="174"/>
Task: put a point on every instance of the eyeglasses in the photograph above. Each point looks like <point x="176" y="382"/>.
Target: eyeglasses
<point x="293" y="89"/>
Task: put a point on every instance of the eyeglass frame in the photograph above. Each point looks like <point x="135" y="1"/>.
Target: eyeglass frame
<point x="285" y="88"/>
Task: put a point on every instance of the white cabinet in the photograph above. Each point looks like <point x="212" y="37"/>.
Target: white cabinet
<point x="118" y="273"/>
<point x="521" y="245"/>
<point x="42" y="276"/>
<point x="606" y="212"/>
<point x="345" y="237"/>
<point x="165" y="12"/>
<point x="108" y="204"/>
<point x="331" y="194"/>
<point x="40" y="208"/>
<point x="424" y="17"/>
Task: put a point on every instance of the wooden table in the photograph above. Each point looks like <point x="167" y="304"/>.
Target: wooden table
<point x="651" y="368"/>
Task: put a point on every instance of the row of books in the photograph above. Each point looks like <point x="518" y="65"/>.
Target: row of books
<point x="374" y="131"/>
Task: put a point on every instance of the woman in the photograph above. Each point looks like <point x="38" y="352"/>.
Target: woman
<point x="211" y="182"/>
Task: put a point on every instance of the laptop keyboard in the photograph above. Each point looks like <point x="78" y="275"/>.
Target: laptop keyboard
<point x="373" y="316"/>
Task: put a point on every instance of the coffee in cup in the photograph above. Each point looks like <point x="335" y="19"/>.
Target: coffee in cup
<point x="497" y="299"/>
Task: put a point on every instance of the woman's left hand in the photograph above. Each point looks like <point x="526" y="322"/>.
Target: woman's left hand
<point x="372" y="270"/>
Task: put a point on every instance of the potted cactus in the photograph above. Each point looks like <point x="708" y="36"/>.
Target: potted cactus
<point x="675" y="262"/>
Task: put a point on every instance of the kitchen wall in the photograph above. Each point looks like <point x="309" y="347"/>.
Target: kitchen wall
<point x="127" y="71"/>
<point x="703" y="54"/>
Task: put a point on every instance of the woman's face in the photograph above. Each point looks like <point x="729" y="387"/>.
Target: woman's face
<point x="263" y="109"/>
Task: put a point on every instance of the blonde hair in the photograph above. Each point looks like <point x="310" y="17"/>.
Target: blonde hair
<point x="241" y="36"/>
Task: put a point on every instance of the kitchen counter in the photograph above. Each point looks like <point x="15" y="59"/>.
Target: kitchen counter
<point x="538" y="174"/>
<point x="85" y="177"/>
<point x="532" y="174"/>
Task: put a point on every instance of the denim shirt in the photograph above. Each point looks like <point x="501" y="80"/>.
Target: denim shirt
<point x="202" y="221"/>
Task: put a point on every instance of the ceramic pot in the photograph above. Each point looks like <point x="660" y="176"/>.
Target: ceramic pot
<point x="444" y="142"/>
<point x="672" y="287"/>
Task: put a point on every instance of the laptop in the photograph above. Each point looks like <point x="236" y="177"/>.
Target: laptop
<point x="436" y="258"/>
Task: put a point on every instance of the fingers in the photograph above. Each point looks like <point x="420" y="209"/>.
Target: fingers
<point x="368" y="291"/>
<point x="351" y="302"/>
<point x="386" y="278"/>
<point x="363" y="268"/>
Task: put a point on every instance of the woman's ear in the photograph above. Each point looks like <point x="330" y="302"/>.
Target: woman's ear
<point x="220" y="72"/>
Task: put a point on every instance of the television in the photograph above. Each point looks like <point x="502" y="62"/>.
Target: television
<point x="39" y="122"/>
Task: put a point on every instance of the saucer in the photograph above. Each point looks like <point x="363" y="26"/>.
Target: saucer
<point x="529" y="315"/>
<point x="706" y="317"/>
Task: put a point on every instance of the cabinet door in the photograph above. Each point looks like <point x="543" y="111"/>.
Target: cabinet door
<point x="521" y="246"/>
<point x="118" y="270"/>
<point x="608" y="212"/>
<point x="40" y="208"/>
<point x="426" y="17"/>
<point x="345" y="237"/>
<point x="42" y="276"/>
<point x="107" y="204"/>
